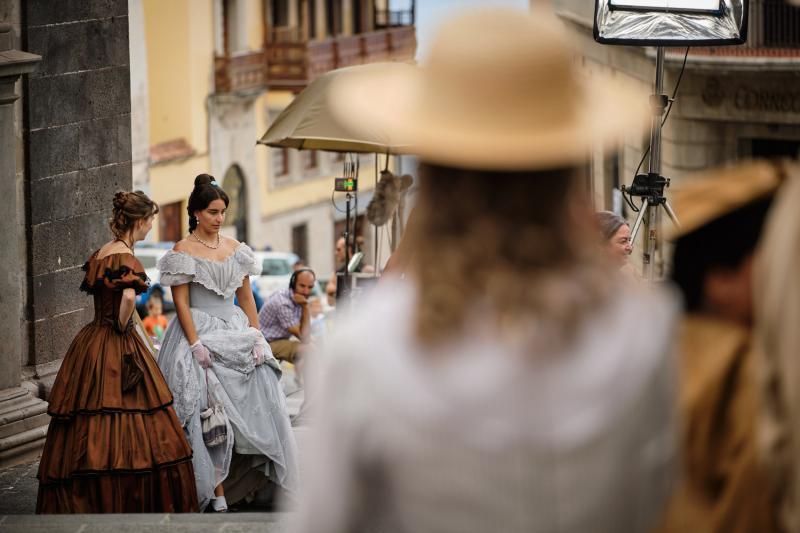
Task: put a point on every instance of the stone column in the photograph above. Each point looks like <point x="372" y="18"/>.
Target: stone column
<point x="23" y="417"/>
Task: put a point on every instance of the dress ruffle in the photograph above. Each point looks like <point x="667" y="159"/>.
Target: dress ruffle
<point x="164" y="489"/>
<point x="96" y="360"/>
<point x="115" y="272"/>
<point x="120" y="443"/>
<point x="222" y="277"/>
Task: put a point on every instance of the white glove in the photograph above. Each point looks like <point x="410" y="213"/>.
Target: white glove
<point x="202" y="354"/>
<point x="259" y="353"/>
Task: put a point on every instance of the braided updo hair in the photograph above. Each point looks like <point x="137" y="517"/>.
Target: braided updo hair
<point x="130" y="207"/>
<point x="205" y="191"/>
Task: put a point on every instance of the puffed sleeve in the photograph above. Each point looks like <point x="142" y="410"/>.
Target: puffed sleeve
<point x="176" y="268"/>
<point x="124" y="271"/>
<point x="247" y="260"/>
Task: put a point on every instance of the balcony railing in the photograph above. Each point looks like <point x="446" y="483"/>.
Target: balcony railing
<point x="290" y="62"/>
<point x="773" y="32"/>
<point x="774" y="24"/>
<point x="240" y="72"/>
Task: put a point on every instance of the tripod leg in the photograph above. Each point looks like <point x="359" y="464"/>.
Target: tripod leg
<point x="639" y="219"/>
<point x="671" y="213"/>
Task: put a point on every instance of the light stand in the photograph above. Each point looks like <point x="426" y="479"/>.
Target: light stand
<point x="650" y="186"/>
<point x="660" y="23"/>
<point x="349" y="185"/>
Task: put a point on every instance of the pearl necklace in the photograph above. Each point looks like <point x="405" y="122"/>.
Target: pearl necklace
<point x="204" y="243"/>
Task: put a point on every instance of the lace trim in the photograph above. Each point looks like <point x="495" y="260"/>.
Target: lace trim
<point x="180" y="267"/>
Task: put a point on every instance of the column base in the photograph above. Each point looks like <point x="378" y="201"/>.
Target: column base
<point x="23" y="426"/>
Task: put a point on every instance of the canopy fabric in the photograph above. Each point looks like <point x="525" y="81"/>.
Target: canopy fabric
<point x="308" y="124"/>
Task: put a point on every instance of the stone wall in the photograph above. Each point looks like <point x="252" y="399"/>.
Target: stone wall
<point x="78" y="153"/>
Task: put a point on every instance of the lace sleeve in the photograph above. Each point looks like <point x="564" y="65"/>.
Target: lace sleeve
<point x="176" y="268"/>
<point x="247" y="260"/>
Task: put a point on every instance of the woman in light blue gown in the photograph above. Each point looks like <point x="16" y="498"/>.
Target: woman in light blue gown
<point x="214" y="349"/>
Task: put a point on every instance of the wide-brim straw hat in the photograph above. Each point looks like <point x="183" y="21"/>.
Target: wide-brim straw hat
<point x="706" y="196"/>
<point x="502" y="89"/>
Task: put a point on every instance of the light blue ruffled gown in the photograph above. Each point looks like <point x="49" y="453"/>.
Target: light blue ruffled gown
<point x="263" y="446"/>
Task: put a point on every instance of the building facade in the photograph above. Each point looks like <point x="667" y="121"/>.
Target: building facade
<point x="734" y="102"/>
<point x="218" y="72"/>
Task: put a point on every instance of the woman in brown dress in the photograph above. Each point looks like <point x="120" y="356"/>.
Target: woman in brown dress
<point x="114" y="444"/>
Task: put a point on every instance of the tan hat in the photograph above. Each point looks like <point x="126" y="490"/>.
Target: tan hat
<point x="501" y="90"/>
<point x="706" y="196"/>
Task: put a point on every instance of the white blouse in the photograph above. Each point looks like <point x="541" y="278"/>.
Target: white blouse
<point x="487" y="434"/>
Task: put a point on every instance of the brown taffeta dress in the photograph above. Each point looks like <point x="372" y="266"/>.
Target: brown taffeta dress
<point x="114" y="444"/>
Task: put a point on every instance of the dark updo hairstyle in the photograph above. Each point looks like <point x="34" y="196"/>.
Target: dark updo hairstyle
<point x="205" y="191"/>
<point x="130" y="207"/>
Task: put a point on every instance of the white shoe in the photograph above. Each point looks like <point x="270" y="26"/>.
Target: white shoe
<point x="219" y="505"/>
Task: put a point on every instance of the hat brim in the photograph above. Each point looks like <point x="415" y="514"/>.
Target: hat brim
<point x="709" y="195"/>
<point x="605" y="111"/>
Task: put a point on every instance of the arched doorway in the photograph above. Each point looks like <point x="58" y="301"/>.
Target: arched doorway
<point x="234" y="185"/>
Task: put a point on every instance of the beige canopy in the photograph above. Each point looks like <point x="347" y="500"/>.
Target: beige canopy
<point x="308" y="124"/>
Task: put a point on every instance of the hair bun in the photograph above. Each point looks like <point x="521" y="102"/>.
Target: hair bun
<point x="119" y="199"/>
<point x="203" y="179"/>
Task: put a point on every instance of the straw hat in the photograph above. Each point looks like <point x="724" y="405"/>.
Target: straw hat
<point x="501" y="90"/>
<point x="709" y="195"/>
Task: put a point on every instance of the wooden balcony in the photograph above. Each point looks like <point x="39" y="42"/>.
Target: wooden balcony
<point x="349" y="50"/>
<point x="291" y="63"/>
<point x="243" y="72"/>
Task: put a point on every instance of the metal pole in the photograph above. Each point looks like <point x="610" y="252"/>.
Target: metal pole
<point x="653" y="218"/>
<point x="658" y="112"/>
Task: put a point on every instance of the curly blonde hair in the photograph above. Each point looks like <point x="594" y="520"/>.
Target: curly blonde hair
<point x="509" y="244"/>
<point x="130" y="207"/>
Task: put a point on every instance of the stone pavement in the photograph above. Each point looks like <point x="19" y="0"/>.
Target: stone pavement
<point x="19" y="487"/>
<point x="155" y="523"/>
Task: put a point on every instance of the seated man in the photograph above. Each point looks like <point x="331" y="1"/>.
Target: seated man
<point x="285" y="319"/>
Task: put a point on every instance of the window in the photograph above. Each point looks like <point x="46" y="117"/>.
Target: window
<point x="169" y="222"/>
<point x="309" y="159"/>
<point x="234" y="27"/>
<point x="300" y="240"/>
<point x="280" y="12"/>
<point x="280" y="162"/>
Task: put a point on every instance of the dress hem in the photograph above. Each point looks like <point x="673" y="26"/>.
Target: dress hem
<point x="113" y="472"/>
<point x="107" y="411"/>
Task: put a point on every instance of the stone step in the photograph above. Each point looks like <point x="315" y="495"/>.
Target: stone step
<point x="24" y="424"/>
<point x="20" y="409"/>
<point x="24" y="453"/>
<point x="23" y="438"/>
<point x="10" y="394"/>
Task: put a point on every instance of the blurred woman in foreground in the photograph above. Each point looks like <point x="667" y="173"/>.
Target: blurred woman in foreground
<point x="501" y="386"/>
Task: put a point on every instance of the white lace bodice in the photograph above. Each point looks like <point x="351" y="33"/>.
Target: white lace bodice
<point x="221" y="277"/>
